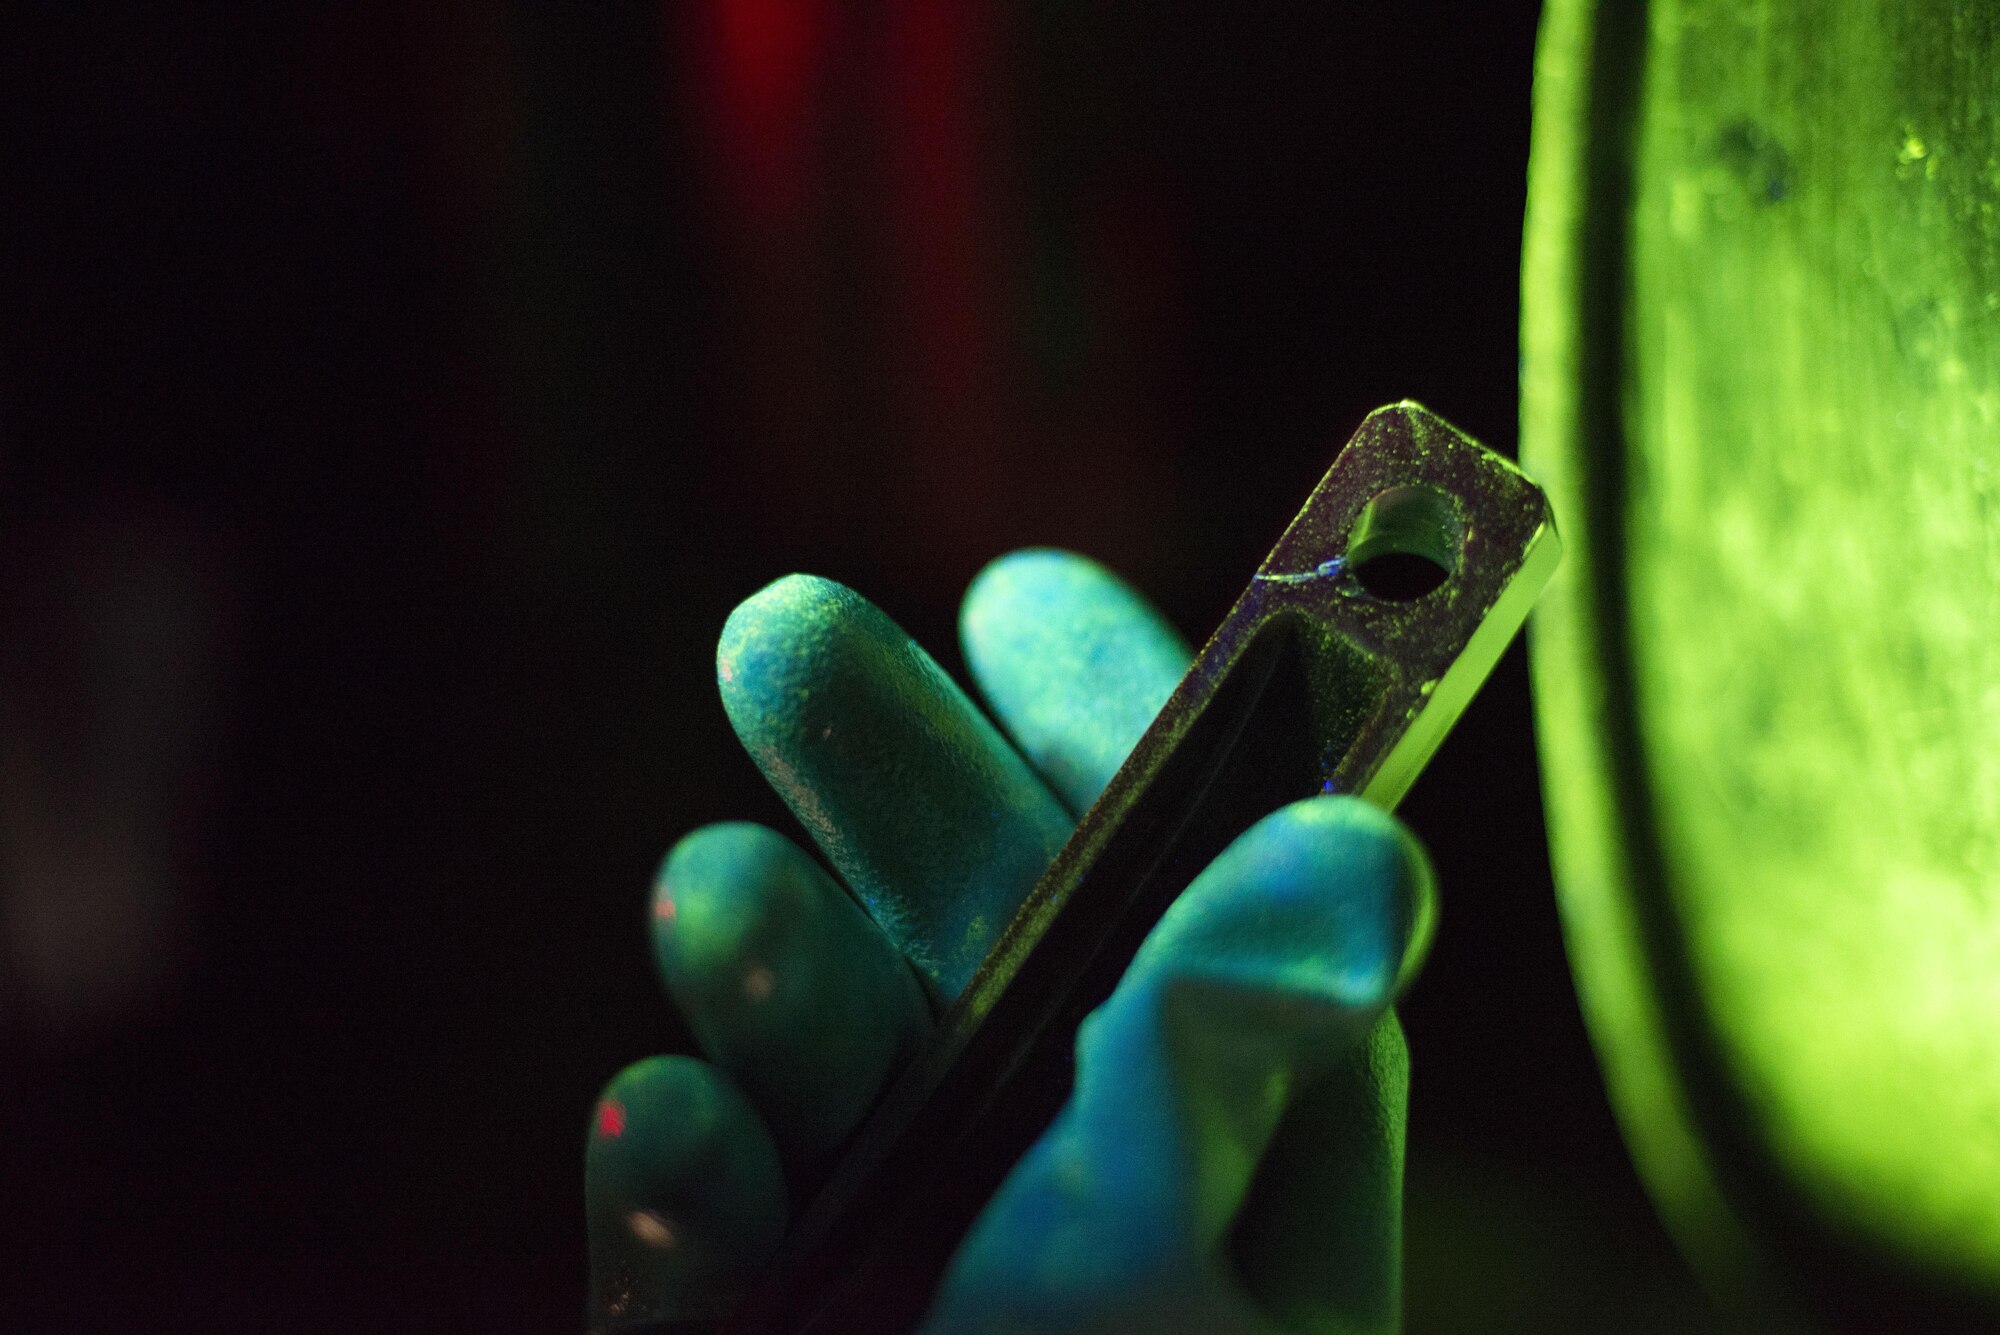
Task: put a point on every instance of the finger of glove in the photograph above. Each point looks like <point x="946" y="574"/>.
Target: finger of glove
<point x="935" y="822"/>
<point x="1073" y="662"/>
<point x="1318" y="1243"/>
<point x="1261" y="980"/>
<point x="785" y="982"/>
<point x="683" y="1197"/>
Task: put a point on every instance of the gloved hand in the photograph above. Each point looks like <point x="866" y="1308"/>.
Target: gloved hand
<point x="1231" y="1154"/>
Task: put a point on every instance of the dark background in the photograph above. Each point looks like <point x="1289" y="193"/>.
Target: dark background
<point x="395" y="398"/>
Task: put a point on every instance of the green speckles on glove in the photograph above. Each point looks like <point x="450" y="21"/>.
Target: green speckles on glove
<point x="1231" y="1155"/>
<point x="938" y="826"/>
<point x="1037" y="623"/>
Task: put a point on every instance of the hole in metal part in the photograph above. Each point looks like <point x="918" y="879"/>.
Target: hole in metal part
<point x="1405" y="543"/>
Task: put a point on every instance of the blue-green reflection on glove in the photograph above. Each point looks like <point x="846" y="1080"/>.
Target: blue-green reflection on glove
<point x="1231" y="1155"/>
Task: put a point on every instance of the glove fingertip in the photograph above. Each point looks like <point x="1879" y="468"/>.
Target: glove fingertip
<point x="767" y="646"/>
<point x="937" y="825"/>
<point x="1379" y="850"/>
<point x="1328" y="887"/>
<point x="1073" y="662"/>
<point x="683" y="1194"/>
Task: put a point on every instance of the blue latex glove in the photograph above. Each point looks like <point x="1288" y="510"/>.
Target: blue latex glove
<point x="1231" y="1155"/>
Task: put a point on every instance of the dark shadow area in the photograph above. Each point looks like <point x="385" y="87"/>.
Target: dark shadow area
<point x="395" y="399"/>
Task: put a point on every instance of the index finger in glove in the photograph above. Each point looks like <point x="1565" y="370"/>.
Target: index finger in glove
<point x="936" y="823"/>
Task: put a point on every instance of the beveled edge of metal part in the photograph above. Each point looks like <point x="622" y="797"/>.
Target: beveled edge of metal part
<point x="1421" y="660"/>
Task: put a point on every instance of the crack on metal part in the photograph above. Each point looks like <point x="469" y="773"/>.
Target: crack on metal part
<point x="1332" y="569"/>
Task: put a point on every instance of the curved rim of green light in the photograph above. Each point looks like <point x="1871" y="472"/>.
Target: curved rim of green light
<point x="1735" y="1183"/>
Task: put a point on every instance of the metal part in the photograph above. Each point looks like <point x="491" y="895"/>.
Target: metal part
<point x="1336" y="671"/>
